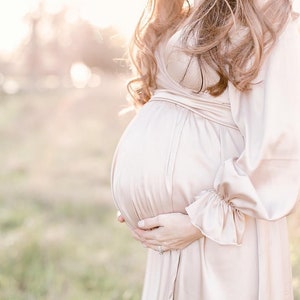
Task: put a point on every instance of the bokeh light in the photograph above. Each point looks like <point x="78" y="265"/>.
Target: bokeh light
<point x="80" y="74"/>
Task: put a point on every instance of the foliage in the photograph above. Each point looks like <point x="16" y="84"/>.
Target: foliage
<point x="53" y="44"/>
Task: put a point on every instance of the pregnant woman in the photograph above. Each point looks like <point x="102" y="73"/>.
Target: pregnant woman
<point x="208" y="169"/>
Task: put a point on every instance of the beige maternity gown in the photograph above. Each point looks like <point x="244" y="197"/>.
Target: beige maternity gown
<point x="230" y="162"/>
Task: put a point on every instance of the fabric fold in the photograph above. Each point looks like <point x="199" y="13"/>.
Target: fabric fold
<point x="201" y="104"/>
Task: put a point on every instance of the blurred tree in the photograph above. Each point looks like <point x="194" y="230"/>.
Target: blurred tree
<point x="54" y="45"/>
<point x="100" y="48"/>
<point x="33" y="45"/>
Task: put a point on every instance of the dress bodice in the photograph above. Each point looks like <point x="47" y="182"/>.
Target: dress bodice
<point x="179" y="79"/>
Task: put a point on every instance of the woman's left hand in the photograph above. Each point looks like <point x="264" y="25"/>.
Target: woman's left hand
<point x="166" y="232"/>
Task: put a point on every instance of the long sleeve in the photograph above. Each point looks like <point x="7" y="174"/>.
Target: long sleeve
<point x="263" y="182"/>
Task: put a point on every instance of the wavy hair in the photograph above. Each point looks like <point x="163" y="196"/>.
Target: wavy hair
<point x="213" y="24"/>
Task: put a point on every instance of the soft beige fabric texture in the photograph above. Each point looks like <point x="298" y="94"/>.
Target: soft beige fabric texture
<point x="231" y="163"/>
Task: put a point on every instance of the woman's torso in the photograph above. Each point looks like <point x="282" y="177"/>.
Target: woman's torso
<point x="173" y="147"/>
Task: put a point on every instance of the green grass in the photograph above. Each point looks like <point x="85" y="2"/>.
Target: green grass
<point x="59" y="238"/>
<point x="67" y="251"/>
<point x="294" y="229"/>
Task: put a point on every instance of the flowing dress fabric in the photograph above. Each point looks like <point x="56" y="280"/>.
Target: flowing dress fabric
<point x="231" y="163"/>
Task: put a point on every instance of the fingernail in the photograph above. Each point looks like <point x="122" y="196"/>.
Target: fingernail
<point x="141" y="223"/>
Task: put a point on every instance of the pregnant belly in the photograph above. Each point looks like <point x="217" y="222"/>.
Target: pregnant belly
<point x="165" y="157"/>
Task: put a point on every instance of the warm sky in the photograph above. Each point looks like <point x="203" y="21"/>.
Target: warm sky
<point x="122" y="14"/>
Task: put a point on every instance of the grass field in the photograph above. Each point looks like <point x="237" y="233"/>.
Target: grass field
<point x="59" y="239"/>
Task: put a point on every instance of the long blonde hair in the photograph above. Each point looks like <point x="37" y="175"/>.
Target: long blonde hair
<point x="213" y="23"/>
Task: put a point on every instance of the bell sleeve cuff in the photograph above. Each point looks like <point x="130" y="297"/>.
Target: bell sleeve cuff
<point x="216" y="218"/>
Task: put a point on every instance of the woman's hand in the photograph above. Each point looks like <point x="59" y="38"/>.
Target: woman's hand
<point x="166" y="232"/>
